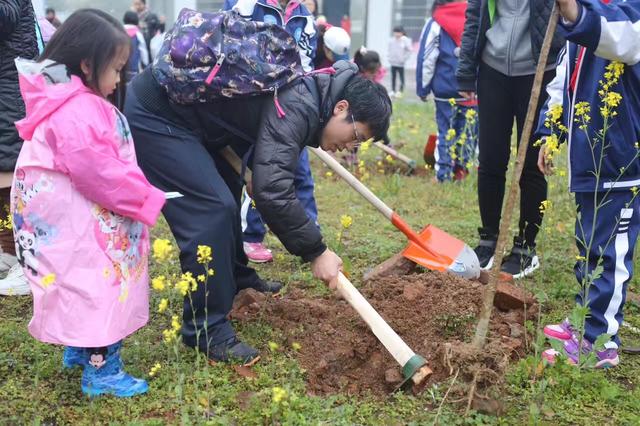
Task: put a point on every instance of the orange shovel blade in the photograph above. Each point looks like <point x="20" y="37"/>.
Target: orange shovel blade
<point x="443" y="249"/>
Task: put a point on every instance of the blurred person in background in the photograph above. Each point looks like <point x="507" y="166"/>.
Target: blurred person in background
<point x="399" y="52"/>
<point x="18" y="38"/>
<point x="138" y="54"/>
<point x="50" y="15"/>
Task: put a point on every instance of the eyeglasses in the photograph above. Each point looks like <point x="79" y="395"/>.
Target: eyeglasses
<point x="358" y="140"/>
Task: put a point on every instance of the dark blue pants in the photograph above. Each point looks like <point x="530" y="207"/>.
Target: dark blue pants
<point x="176" y="159"/>
<point x="252" y="224"/>
<point x="452" y="153"/>
<point x="612" y="242"/>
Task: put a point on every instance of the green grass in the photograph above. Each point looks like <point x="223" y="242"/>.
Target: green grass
<point x="34" y="389"/>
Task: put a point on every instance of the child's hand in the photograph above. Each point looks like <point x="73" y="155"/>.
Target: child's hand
<point x="470" y="96"/>
<point x="326" y="267"/>
<point x="569" y="10"/>
<point x="544" y="163"/>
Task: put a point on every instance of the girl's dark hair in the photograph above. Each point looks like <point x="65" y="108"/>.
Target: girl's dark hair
<point x="398" y="29"/>
<point x="87" y="35"/>
<point x="131" y="18"/>
<point x="367" y="60"/>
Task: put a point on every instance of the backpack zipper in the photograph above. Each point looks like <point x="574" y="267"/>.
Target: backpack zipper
<point x="279" y="110"/>
<point x="215" y="69"/>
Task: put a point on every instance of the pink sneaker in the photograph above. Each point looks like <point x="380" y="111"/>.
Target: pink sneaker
<point x="563" y="331"/>
<point x="257" y="252"/>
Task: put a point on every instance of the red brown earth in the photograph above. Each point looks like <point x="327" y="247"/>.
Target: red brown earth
<point x="434" y="313"/>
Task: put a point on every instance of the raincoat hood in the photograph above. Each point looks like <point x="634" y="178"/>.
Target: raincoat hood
<point x="451" y="18"/>
<point x="45" y="87"/>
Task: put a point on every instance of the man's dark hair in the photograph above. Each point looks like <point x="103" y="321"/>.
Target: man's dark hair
<point x="89" y="35"/>
<point x="370" y="104"/>
<point x="398" y="29"/>
<point x="130" y="18"/>
<point x="49" y="10"/>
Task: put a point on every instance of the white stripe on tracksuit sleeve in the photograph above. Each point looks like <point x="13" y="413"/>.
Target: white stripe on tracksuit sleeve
<point x="431" y="53"/>
<point x="611" y="31"/>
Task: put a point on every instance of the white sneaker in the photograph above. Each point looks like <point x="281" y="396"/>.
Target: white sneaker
<point x="7" y="261"/>
<point x="15" y="284"/>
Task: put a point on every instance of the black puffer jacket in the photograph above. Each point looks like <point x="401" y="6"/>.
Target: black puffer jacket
<point x="276" y="142"/>
<point x="474" y="38"/>
<point x="17" y="38"/>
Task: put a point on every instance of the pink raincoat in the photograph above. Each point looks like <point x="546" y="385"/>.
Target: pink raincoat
<point x="81" y="207"/>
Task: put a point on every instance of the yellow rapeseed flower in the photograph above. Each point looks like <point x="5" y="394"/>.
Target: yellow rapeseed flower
<point x="159" y="283"/>
<point x="451" y="134"/>
<point x="328" y="174"/>
<point x="162" y="249"/>
<point x="204" y="254"/>
<point x="48" y="279"/>
<point x="201" y="278"/>
<point x="545" y="206"/>
<point x="155" y="369"/>
<point x="279" y="394"/>
<point x="163" y="305"/>
<point x="211" y="272"/>
<point x="388" y="158"/>
<point x="346" y="221"/>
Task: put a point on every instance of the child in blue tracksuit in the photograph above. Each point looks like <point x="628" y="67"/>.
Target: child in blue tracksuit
<point x="599" y="34"/>
<point x="435" y="73"/>
<point x="299" y="22"/>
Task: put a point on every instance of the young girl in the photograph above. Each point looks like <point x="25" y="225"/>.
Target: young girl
<point x="370" y="67"/>
<point x="81" y="205"/>
<point x="399" y="52"/>
<point x="435" y="73"/>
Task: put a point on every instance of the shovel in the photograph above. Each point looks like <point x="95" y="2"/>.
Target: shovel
<point x="432" y="248"/>
<point x="414" y="367"/>
<point x="397" y="155"/>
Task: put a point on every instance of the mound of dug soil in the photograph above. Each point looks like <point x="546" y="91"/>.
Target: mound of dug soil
<point x="434" y="313"/>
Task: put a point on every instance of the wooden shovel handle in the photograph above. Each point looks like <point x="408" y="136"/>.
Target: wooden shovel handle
<point x="398" y="349"/>
<point x="353" y="181"/>
<point x="235" y="162"/>
<point x="395" y="154"/>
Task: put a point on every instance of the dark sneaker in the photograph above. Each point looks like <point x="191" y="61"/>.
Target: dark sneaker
<point x="234" y="351"/>
<point x="266" y="286"/>
<point x="522" y="260"/>
<point x="486" y="248"/>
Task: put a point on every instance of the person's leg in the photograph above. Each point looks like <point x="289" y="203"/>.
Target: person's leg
<point x="394" y="72"/>
<point x="444" y="164"/>
<point x="14" y="283"/>
<point x="495" y="126"/>
<point x="303" y="182"/>
<point x="174" y="159"/>
<point x="253" y="229"/>
<point x="401" y="71"/>
<point x="245" y="276"/>
<point x="533" y="185"/>
<point x="611" y="245"/>
<point x="7" y="244"/>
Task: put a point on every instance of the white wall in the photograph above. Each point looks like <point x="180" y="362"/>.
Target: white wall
<point x="379" y="27"/>
<point x="178" y="5"/>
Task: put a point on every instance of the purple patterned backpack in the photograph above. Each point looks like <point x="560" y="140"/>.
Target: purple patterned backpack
<point x="207" y="56"/>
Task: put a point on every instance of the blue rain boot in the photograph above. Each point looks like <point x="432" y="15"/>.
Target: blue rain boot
<point x="72" y="357"/>
<point x="104" y="374"/>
